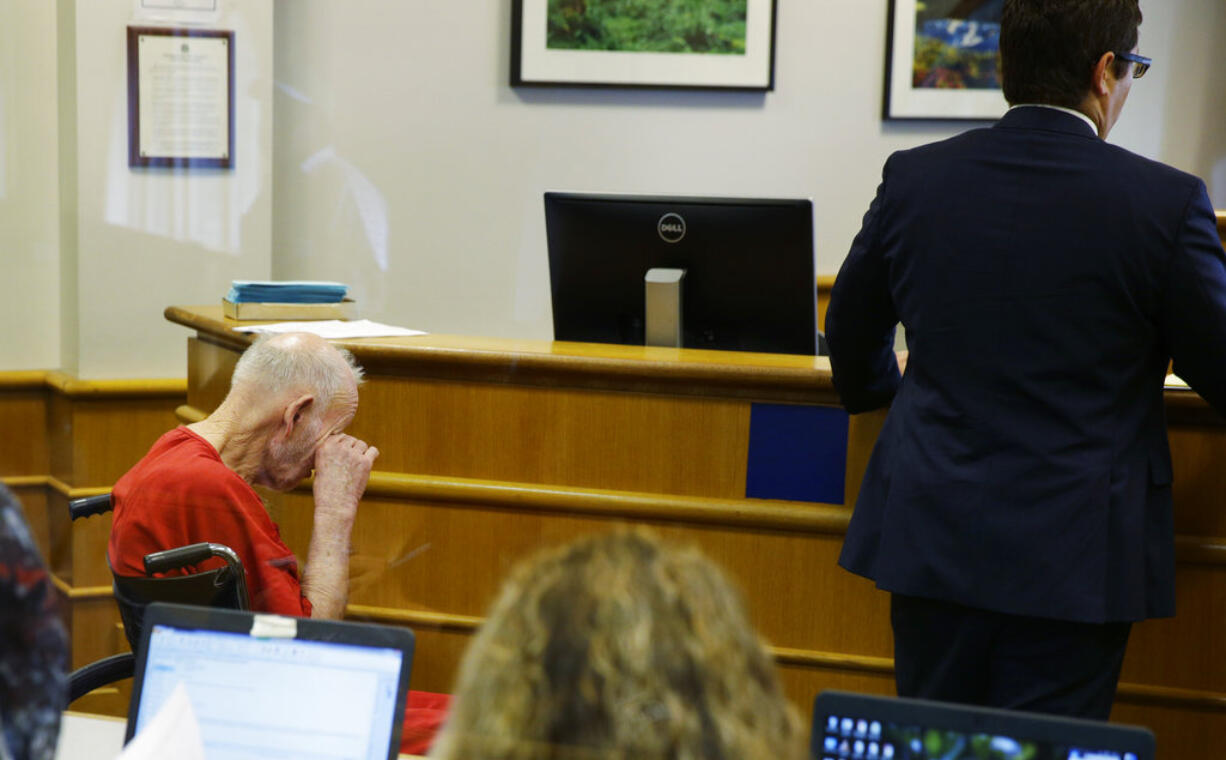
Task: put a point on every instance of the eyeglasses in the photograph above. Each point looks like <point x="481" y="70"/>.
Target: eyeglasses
<point x="1140" y="63"/>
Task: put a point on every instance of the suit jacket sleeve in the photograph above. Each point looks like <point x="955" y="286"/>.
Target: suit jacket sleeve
<point x="1196" y="302"/>
<point x="861" y="318"/>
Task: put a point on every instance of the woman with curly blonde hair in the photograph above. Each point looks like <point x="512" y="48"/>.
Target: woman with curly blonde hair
<point x="619" y="646"/>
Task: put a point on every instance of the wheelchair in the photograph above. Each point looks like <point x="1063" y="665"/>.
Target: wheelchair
<point x="225" y="586"/>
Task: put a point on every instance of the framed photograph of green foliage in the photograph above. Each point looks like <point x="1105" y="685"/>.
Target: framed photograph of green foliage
<point x="942" y="60"/>
<point x="690" y="44"/>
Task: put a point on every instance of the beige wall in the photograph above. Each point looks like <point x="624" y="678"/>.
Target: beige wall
<point x="1179" y="116"/>
<point x="130" y="241"/>
<point x="29" y="206"/>
<point x="151" y="237"/>
<point x="405" y="165"/>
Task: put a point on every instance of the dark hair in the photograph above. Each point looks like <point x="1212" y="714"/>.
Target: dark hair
<point x="1048" y="48"/>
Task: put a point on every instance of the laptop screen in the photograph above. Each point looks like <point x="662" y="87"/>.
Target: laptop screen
<point x="290" y="697"/>
<point x="858" y="727"/>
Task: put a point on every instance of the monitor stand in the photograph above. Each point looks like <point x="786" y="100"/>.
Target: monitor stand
<point x="663" y="299"/>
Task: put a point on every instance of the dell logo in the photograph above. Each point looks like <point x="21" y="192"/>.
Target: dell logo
<point x="671" y="228"/>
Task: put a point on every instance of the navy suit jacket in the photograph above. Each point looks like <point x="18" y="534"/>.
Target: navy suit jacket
<point x="1043" y="278"/>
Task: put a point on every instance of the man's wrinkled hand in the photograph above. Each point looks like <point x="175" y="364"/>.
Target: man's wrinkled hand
<point x="342" y="469"/>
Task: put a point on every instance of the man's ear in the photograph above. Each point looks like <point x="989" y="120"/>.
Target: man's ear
<point x="1103" y="69"/>
<point x="295" y="411"/>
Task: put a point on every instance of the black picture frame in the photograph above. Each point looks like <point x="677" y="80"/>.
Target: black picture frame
<point x="137" y="158"/>
<point x="534" y="63"/>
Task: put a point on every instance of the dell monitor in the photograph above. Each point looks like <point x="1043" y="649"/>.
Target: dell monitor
<point x="737" y="272"/>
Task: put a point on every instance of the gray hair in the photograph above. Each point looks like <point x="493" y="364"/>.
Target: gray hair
<point x="279" y="363"/>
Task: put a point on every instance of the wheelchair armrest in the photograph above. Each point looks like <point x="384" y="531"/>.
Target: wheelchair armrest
<point x="98" y="674"/>
<point x="173" y="559"/>
<point x="89" y="506"/>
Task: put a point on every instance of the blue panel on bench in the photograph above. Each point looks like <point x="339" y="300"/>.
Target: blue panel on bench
<point x="797" y="453"/>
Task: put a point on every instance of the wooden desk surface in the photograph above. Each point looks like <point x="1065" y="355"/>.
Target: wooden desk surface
<point x="673" y="371"/>
<point x="692" y="372"/>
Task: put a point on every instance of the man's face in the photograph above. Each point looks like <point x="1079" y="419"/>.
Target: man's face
<point x="290" y="459"/>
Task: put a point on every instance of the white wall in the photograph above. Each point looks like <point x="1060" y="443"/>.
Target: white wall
<point x="29" y="207"/>
<point x="1177" y="113"/>
<point x="148" y="238"/>
<point x="407" y="166"/>
<point x="93" y="251"/>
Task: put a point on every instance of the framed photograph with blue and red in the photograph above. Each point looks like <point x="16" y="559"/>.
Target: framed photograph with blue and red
<point x="675" y="44"/>
<point x="943" y="60"/>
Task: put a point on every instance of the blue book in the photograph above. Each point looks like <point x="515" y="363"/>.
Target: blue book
<point x="286" y="291"/>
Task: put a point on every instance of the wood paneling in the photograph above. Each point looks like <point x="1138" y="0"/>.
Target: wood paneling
<point x="71" y="387"/>
<point x="472" y="542"/>
<point x="24" y="448"/>
<point x="103" y="434"/>
<point x="1184" y="652"/>
<point x="1183" y="733"/>
<point x="68" y="438"/>
<point x="490" y="452"/>
<point x="862" y="432"/>
<point x="825" y="283"/>
<point x="32" y="493"/>
<point x="59" y="532"/>
<point x="89" y="538"/>
<point x="804" y="673"/>
<point x="208" y="372"/>
<point x="1197" y="454"/>
<point x="450" y="558"/>
<point x="97" y="633"/>
<point x="444" y="648"/>
<point x="753" y="514"/>
<point x="595" y="439"/>
<point x="493" y="449"/>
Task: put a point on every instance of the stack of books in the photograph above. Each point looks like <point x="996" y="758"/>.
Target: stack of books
<point x="289" y="299"/>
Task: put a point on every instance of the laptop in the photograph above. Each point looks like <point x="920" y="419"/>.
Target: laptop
<point x="268" y="686"/>
<point x="861" y="727"/>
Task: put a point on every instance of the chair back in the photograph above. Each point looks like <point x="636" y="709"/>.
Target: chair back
<point x="212" y="588"/>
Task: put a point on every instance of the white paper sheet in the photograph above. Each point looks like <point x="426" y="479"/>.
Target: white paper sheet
<point x="173" y="732"/>
<point x="89" y="737"/>
<point x="334" y="329"/>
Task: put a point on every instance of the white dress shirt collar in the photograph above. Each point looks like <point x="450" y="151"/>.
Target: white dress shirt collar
<point x="1078" y="114"/>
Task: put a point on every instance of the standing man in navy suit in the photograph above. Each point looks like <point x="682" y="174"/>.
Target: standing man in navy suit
<point x="1018" y="502"/>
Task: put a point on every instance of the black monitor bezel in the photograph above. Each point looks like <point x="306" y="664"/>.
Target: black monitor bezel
<point x="186" y="617"/>
<point x="554" y="199"/>
<point x="968" y="719"/>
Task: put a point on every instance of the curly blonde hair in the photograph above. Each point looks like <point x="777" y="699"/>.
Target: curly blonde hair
<point x="619" y="646"/>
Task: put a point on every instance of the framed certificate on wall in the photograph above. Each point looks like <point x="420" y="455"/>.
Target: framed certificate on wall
<point x="180" y="97"/>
